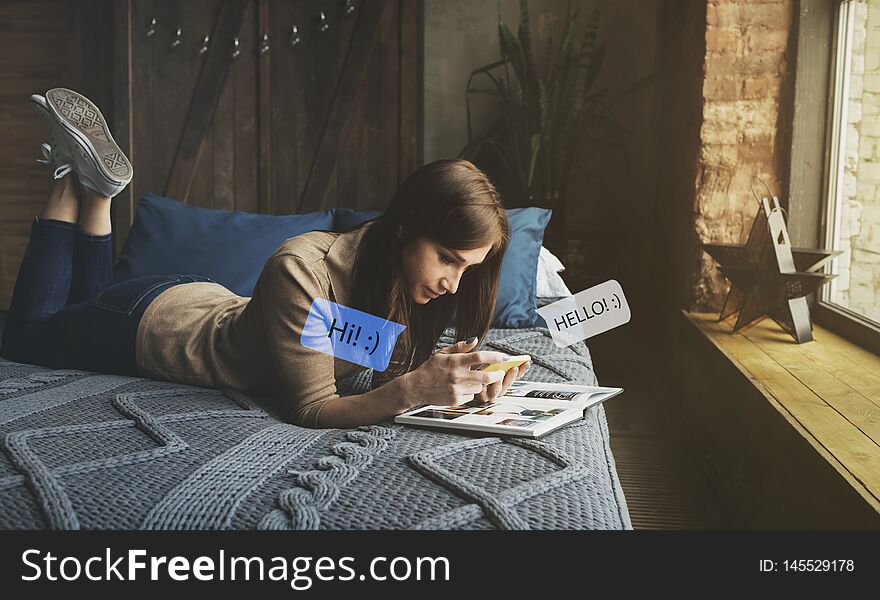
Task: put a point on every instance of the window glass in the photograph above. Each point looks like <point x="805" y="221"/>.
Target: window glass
<point x="853" y="211"/>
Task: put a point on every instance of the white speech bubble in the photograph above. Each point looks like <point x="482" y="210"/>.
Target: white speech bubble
<point x="587" y="313"/>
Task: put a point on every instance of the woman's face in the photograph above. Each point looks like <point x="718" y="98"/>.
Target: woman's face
<point x="432" y="270"/>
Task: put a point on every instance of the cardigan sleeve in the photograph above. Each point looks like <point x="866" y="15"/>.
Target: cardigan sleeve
<point x="286" y="288"/>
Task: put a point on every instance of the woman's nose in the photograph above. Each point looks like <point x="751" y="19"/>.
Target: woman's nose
<point x="450" y="285"/>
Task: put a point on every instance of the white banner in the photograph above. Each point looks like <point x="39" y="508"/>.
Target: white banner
<point x="587" y="313"/>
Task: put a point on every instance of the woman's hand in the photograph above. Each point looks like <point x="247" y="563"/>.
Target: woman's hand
<point x="447" y="378"/>
<point x="492" y="391"/>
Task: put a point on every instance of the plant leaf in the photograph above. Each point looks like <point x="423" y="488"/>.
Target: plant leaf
<point x="483" y="91"/>
<point x="511" y="50"/>
<point x="548" y="47"/>
<point x="530" y="79"/>
<point x="536" y="146"/>
<point x="488" y="67"/>
<point x="586" y="54"/>
<point x="639" y="84"/>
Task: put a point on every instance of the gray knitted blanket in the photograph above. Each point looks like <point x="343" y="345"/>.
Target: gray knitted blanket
<point x="91" y="451"/>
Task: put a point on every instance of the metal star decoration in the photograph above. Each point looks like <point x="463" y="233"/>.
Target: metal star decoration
<point x="768" y="277"/>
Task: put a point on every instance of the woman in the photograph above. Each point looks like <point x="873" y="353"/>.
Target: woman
<point x="432" y="260"/>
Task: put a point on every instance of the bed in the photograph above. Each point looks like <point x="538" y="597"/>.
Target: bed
<point x="92" y="451"/>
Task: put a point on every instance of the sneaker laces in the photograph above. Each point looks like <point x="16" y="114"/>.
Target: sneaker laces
<point x="49" y="158"/>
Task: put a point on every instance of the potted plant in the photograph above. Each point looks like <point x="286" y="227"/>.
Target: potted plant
<point x="549" y="114"/>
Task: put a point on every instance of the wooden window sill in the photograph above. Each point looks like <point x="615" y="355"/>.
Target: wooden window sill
<point x="828" y="390"/>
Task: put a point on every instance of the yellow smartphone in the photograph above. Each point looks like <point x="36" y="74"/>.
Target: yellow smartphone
<point x="513" y="361"/>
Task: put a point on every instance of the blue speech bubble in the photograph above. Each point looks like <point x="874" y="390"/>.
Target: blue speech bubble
<point x="350" y="334"/>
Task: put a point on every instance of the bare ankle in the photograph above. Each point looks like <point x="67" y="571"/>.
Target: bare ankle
<point x="94" y="214"/>
<point x="63" y="203"/>
<point x="91" y="196"/>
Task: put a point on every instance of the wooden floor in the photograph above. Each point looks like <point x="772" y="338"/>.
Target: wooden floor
<point x="662" y="484"/>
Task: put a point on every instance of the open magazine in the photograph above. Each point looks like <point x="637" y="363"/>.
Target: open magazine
<point x="528" y="408"/>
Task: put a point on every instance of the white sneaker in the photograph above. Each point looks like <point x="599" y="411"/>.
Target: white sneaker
<point x="57" y="152"/>
<point x="99" y="162"/>
<point x="60" y="168"/>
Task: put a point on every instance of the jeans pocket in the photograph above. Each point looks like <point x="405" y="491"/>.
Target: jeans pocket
<point x="194" y="279"/>
<point x="123" y="297"/>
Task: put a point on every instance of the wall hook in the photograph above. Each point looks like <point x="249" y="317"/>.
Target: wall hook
<point x="177" y="37"/>
<point x="322" y="22"/>
<point x="151" y="28"/>
<point x="264" y="44"/>
<point x="204" y="47"/>
<point x="348" y="8"/>
<point x="294" y="36"/>
<point x="235" y="48"/>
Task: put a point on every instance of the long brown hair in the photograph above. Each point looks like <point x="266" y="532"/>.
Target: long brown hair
<point x="455" y="204"/>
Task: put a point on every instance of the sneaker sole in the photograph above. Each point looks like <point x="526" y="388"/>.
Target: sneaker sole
<point x="78" y="115"/>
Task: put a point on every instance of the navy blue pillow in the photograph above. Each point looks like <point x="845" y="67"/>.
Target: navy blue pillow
<point x="230" y="247"/>
<point x="517" y="293"/>
<point x="345" y="218"/>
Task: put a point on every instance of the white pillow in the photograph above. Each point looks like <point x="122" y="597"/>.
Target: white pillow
<point x="549" y="283"/>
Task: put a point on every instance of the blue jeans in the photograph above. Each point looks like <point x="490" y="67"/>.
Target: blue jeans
<point x="65" y="311"/>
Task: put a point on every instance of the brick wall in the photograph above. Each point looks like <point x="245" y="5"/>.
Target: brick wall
<point x="746" y="73"/>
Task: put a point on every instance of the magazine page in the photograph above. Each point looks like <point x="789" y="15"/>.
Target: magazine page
<point x="522" y="414"/>
<point x="566" y="392"/>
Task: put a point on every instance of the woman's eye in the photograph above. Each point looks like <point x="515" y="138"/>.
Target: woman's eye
<point x="445" y="259"/>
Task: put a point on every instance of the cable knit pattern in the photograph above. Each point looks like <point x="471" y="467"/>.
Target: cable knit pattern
<point x="229" y="479"/>
<point x="301" y="506"/>
<point x="91" y="451"/>
<point x="498" y="508"/>
<point x="36" y="396"/>
<point x="34" y="380"/>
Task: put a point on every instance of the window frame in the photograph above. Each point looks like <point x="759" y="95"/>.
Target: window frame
<point x="818" y="70"/>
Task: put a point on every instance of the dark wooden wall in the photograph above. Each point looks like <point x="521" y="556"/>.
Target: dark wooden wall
<point x="43" y="44"/>
<point x="333" y="121"/>
<point x="329" y="122"/>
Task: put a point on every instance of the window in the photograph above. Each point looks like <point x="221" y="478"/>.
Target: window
<point x="852" y="211"/>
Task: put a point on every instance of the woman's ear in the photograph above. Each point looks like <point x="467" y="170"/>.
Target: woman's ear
<point x="404" y="228"/>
